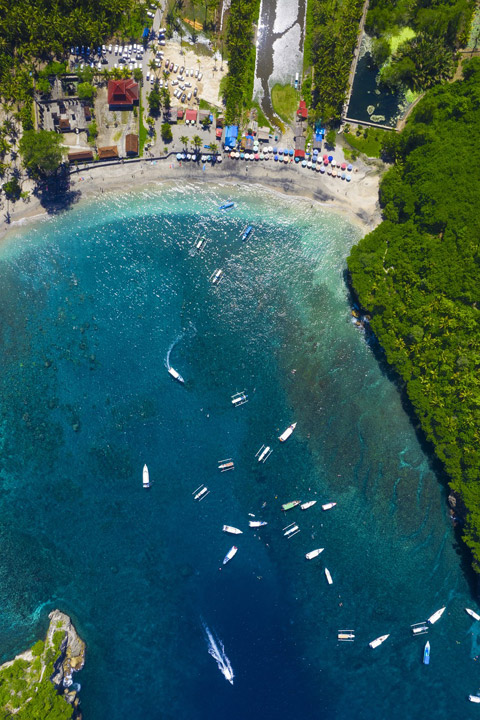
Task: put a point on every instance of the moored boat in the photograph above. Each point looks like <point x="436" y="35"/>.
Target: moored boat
<point x="309" y="504"/>
<point x="216" y="276"/>
<point x="226" y="205"/>
<point x="146" y="477"/>
<point x="328" y="506"/>
<point x="247" y="232"/>
<point x="426" y="654"/>
<point x="291" y="530"/>
<point x="328" y="576"/>
<point x="232" y="530"/>
<point x="239" y="398"/>
<point x="225" y="465"/>
<point x="420" y="628"/>
<point x="436" y="616"/>
<point x="175" y="375"/>
<point x="200" y="244"/>
<point x="378" y="641"/>
<point x="257" y="523"/>
<point x="230" y="554"/>
<point x="286" y="434"/>
<point x="474" y="698"/>
<point x="314" y="553"/>
<point x="264" y="453"/>
<point x="346" y="635"/>
<point x="201" y="492"/>
<point x="472" y="614"/>
<point x="290" y="505"/>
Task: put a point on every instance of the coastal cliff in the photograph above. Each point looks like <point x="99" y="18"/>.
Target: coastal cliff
<point x="38" y="683"/>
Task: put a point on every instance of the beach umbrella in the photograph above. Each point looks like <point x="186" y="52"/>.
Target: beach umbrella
<point x="189" y="157"/>
<point x="314" y="160"/>
<point x="330" y="158"/>
<point x="280" y="151"/>
<point x="257" y="156"/>
<point x="290" y="152"/>
<point x="270" y="149"/>
<point x="315" y="151"/>
<point x="209" y="158"/>
<point x="333" y="163"/>
<point x="344" y="166"/>
<point x="267" y="157"/>
<point x="349" y="177"/>
<point x="285" y="159"/>
<point x="334" y="173"/>
<point x="297" y="159"/>
<point x="309" y="165"/>
<point x="349" y="167"/>
<point x="179" y="156"/>
<point x="275" y="151"/>
<point x="242" y="156"/>
<point x="204" y="158"/>
<point x="343" y="175"/>
<point x="329" y="170"/>
<point x="304" y="163"/>
<point x="262" y="156"/>
<point x="275" y="157"/>
<point x="325" y="159"/>
<point x="319" y="168"/>
<point x="219" y="158"/>
<point x="322" y="170"/>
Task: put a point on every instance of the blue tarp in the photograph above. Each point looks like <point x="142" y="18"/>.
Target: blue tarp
<point x="231" y="135"/>
<point x="146" y="32"/>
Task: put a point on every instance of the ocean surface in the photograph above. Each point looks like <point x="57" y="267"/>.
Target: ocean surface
<point x="93" y="303"/>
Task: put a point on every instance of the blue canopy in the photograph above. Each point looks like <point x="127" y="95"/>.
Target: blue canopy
<point x="275" y="157"/>
<point x="231" y="135"/>
<point x="280" y="151"/>
<point x="350" y="167"/>
<point x="146" y="32"/>
<point x="290" y="152"/>
<point x="275" y="150"/>
<point x="297" y="159"/>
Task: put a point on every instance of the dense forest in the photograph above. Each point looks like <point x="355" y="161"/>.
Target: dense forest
<point x="430" y="31"/>
<point x="332" y="27"/>
<point x="418" y="275"/>
<point x="238" y="88"/>
<point x="32" y="31"/>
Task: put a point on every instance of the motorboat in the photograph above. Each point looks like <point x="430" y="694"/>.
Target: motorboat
<point x="378" y="641"/>
<point x="346" y="635"/>
<point x="175" y="375"/>
<point x="436" y="616"/>
<point x="426" y="654"/>
<point x="201" y="492"/>
<point x="257" y="523"/>
<point x="232" y="530"/>
<point x="230" y="554"/>
<point x="225" y="465"/>
<point x="247" y="232"/>
<point x="474" y="698"/>
<point x="216" y="277"/>
<point x="263" y="453"/>
<point x="146" y="477"/>
<point x="328" y="506"/>
<point x="472" y="614"/>
<point x="314" y="553"/>
<point x="286" y="434"/>
<point x="200" y="244"/>
<point x="239" y="398"/>
<point x="309" y="504"/>
<point x="290" y="505"/>
<point x="328" y="576"/>
<point x="226" y="205"/>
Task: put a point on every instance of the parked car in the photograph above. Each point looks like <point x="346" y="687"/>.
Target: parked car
<point x="195" y="92"/>
<point x="184" y="97"/>
<point x="171" y="66"/>
<point x="175" y="68"/>
<point x="167" y="63"/>
<point x="109" y="48"/>
<point x="150" y="14"/>
<point x="189" y="96"/>
<point x="116" y="50"/>
<point x="148" y="76"/>
<point x="196" y="73"/>
<point x="161" y="42"/>
<point x="181" y="70"/>
<point x="200" y="75"/>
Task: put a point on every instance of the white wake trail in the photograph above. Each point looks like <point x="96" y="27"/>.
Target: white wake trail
<point x="217" y="651"/>
<point x="192" y="332"/>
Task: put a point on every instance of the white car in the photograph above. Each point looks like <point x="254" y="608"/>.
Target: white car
<point x="134" y="46"/>
<point x="166" y="83"/>
<point x="130" y="67"/>
<point x="161" y="42"/>
<point x="130" y="48"/>
<point x="99" y="66"/>
<point x="116" y="50"/>
<point x="152" y="79"/>
<point x="104" y="49"/>
<point x="109" y="48"/>
<point x="161" y="83"/>
<point x="150" y="14"/>
<point x="196" y="73"/>
<point x="116" y="65"/>
<point x="189" y="96"/>
<point x="162" y="30"/>
<point x="148" y="76"/>
<point x="120" y="50"/>
<point x="175" y="68"/>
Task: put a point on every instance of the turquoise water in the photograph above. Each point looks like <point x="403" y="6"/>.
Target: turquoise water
<point x="92" y="301"/>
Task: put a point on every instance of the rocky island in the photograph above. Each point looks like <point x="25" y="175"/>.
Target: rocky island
<point x="38" y="682"/>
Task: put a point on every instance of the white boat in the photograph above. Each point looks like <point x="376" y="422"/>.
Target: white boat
<point x="378" y="641"/>
<point x="291" y="530"/>
<point x="231" y="553"/>
<point x="264" y="453"/>
<point x="225" y="465"/>
<point x="328" y="576"/>
<point x="239" y="398"/>
<point x="474" y="698"/>
<point x="420" y="628"/>
<point x="346" y="635"/>
<point x="175" y="375"/>
<point x="436" y="616"/>
<point x="146" y="477"/>
<point x="472" y="613"/>
<point x="232" y="530"/>
<point x="314" y="553"/>
<point x="305" y="506"/>
<point x="216" y="276"/>
<point x="285" y="435"/>
<point x="200" y="244"/>
<point x="201" y="492"/>
<point x="257" y="523"/>
<point x="328" y="506"/>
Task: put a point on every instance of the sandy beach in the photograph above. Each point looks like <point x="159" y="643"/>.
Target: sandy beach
<point x="358" y="199"/>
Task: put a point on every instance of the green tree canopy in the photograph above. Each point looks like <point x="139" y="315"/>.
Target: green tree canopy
<point x="85" y="91"/>
<point x="42" y="152"/>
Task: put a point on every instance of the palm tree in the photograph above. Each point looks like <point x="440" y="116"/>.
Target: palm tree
<point x="152" y="65"/>
<point x="184" y="140"/>
<point x="214" y="148"/>
<point x="197" y="142"/>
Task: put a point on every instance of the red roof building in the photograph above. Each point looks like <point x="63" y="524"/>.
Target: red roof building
<point x="191" y="115"/>
<point x="122" y="93"/>
<point x="302" y="111"/>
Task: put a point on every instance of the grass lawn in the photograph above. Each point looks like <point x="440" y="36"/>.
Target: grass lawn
<point x="142" y="130"/>
<point x="285" y="101"/>
<point x="369" y="142"/>
<point x="261" y="117"/>
<point x="405" y="34"/>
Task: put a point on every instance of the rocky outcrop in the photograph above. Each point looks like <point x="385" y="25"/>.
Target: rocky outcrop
<point x="71" y="658"/>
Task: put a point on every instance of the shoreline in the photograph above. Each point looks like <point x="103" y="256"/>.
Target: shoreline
<point x="358" y="200"/>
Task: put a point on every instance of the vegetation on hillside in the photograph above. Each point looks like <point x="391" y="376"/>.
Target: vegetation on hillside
<point x="332" y="35"/>
<point x="416" y="40"/>
<point x="238" y="87"/>
<point x="418" y="275"/>
<point x="285" y="101"/>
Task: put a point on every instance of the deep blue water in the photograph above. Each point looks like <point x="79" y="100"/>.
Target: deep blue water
<point x="91" y="303"/>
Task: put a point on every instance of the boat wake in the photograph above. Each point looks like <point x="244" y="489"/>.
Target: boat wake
<point x="191" y="332"/>
<point x="217" y="651"/>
